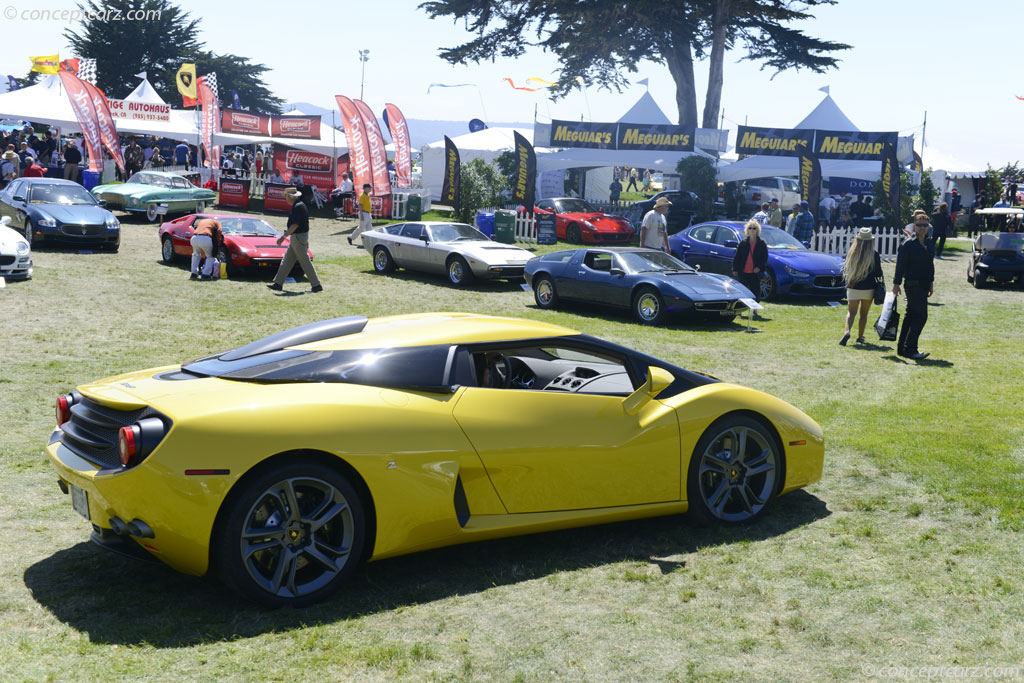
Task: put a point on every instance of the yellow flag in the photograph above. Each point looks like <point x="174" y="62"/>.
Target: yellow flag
<point x="186" y="80"/>
<point x="45" y="65"/>
<point x="540" y="80"/>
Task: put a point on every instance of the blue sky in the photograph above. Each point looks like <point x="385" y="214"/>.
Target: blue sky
<point x="957" y="61"/>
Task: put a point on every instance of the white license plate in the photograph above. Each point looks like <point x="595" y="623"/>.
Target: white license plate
<point x="79" y="500"/>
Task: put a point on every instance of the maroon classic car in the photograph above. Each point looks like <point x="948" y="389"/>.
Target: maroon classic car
<point x="250" y="243"/>
<point x="579" y="223"/>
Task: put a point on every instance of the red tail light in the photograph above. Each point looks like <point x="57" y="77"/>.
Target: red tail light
<point x="755" y="196"/>
<point x="127" y="445"/>
<point x="63" y="409"/>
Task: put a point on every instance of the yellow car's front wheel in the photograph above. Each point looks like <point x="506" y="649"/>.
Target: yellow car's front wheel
<point x="291" y="535"/>
<point x="735" y="471"/>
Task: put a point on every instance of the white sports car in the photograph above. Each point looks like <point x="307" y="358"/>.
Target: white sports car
<point x="458" y="250"/>
<point x="15" y="253"/>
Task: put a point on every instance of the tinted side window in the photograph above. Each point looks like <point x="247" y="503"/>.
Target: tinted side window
<point x="723" y="234"/>
<point x="703" y="233"/>
<point x="561" y="256"/>
<point x="412" y="230"/>
<point x="545" y="204"/>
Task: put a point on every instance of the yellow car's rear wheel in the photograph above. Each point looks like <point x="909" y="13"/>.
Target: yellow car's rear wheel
<point x="734" y="472"/>
<point x="291" y="535"/>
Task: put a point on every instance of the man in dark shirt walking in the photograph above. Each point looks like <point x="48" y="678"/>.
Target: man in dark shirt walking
<point x="298" y="245"/>
<point x="72" y="157"/>
<point x="915" y="270"/>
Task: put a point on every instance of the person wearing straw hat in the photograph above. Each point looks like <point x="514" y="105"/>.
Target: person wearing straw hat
<point x="861" y="270"/>
<point x="654" y="228"/>
<point x="9" y="167"/>
<point x="298" y="246"/>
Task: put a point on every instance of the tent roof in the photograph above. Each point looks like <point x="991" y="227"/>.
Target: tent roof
<point x="827" y="116"/>
<point x="294" y="112"/>
<point x="488" y="139"/>
<point x="145" y="93"/>
<point x="646" y="110"/>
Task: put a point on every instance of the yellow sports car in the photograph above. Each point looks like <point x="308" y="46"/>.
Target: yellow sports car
<point x="283" y="464"/>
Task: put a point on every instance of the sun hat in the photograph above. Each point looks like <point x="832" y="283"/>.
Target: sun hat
<point x="662" y="201"/>
<point x="804" y="203"/>
<point x="865" y="234"/>
<point x="292" y="192"/>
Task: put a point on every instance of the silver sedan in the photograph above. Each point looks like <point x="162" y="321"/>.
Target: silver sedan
<point x="459" y="251"/>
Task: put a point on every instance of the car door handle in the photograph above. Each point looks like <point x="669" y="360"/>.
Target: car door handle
<point x="714" y="252"/>
<point x="581" y="272"/>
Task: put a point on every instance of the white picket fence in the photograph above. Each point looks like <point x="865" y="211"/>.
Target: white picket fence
<point x="837" y="241"/>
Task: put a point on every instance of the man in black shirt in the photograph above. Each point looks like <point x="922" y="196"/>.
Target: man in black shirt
<point x="915" y="269"/>
<point x="72" y="157"/>
<point x="298" y="245"/>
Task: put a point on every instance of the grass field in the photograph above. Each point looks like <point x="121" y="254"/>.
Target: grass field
<point x="907" y="553"/>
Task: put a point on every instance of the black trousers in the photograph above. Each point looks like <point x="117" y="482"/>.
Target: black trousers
<point x="940" y="244"/>
<point x="914" y="320"/>
<point x="752" y="281"/>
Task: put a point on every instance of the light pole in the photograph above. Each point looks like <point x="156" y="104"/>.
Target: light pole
<point x="364" y="57"/>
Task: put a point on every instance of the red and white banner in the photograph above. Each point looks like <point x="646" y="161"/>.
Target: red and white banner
<point x="81" y="103"/>
<point x="316" y="170"/>
<point x="355" y="137"/>
<point x="302" y="127"/>
<point x="274" y="199"/>
<point x="403" y="153"/>
<point x="140" y="111"/>
<point x="234" y="193"/>
<point x="378" y="155"/>
<point x="244" y="123"/>
<point x="210" y="123"/>
<point x="108" y="131"/>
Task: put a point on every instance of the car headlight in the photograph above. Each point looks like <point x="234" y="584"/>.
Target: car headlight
<point x="23" y="247"/>
<point x="132" y="201"/>
<point x="796" y="273"/>
<point x="589" y="225"/>
<point x="113" y="223"/>
<point x="46" y="222"/>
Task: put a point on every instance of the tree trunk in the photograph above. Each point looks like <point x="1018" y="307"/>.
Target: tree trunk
<point x="713" y="100"/>
<point x="679" y="58"/>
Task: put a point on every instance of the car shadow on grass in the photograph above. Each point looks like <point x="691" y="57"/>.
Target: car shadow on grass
<point x="683" y="321"/>
<point x="114" y="599"/>
<point x="477" y="285"/>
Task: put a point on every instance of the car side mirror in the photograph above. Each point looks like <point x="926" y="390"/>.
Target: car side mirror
<point x="101" y="202"/>
<point x="731" y="244"/>
<point x="657" y="380"/>
<point x="18" y="198"/>
<point x="425" y="238"/>
<point x="617" y="271"/>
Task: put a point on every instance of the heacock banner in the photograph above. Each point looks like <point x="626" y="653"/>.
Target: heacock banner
<point x="525" y="174"/>
<point x="355" y="136"/>
<point x="779" y="142"/>
<point x="375" y="145"/>
<point x="105" y="122"/>
<point x="400" y="136"/>
<point x="209" y="123"/>
<point x="81" y="103"/>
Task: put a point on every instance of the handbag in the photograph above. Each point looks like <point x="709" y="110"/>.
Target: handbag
<point x="888" y="324"/>
<point x="879" y="292"/>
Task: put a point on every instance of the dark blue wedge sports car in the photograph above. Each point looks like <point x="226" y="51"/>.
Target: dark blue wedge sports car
<point x="651" y="283"/>
<point x="792" y="267"/>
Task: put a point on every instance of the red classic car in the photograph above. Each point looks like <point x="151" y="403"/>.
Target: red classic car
<point x="578" y="222"/>
<point x="250" y="242"/>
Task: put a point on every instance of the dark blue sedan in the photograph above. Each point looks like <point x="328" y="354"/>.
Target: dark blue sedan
<point x="54" y="210"/>
<point x="651" y="283"/>
<point x="792" y="267"/>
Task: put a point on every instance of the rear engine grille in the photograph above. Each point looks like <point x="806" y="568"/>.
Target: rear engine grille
<point x="92" y="430"/>
<point x="6" y="260"/>
<point x="828" y="281"/>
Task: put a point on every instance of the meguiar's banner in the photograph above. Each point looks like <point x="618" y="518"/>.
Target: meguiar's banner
<point x="525" y="174"/>
<point x="891" y="178"/>
<point x="452" y="174"/>
<point x="810" y="181"/>
<point x="837" y="144"/>
<point x="583" y="134"/>
<point x="784" y="142"/>
<point x="654" y="137"/>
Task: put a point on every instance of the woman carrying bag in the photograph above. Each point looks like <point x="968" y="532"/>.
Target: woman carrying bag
<point x="865" y="282"/>
<point x="751" y="259"/>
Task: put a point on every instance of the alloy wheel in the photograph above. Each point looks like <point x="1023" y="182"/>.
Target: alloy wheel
<point x="738" y="473"/>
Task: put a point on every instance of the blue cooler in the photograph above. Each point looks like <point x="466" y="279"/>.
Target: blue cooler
<point x="90" y="179"/>
<point x="485" y="223"/>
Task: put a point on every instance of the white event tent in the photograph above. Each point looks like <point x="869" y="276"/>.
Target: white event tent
<point x="826" y="116"/>
<point x="486" y="144"/>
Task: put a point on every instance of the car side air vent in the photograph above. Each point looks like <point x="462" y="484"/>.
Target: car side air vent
<point x="304" y="334"/>
<point x="461" y="504"/>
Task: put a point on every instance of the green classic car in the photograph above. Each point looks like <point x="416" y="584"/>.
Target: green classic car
<point x="149" y="191"/>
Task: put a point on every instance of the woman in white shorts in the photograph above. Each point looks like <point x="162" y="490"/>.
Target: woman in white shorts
<point x="862" y="269"/>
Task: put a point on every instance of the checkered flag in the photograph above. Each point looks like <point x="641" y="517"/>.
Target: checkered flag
<point x="87" y="70"/>
<point x="211" y="80"/>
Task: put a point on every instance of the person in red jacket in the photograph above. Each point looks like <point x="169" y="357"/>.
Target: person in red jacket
<point x="33" y="170"/>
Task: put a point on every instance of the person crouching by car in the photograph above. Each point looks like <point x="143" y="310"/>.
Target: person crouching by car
<point x="751" y="259"/>
<point x="206" y="242"/>
<point x="861" y="270"/>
